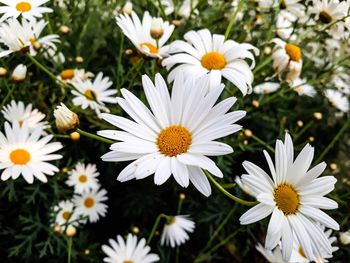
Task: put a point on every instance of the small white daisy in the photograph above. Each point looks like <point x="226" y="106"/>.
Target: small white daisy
<point x="129" y="251"/>
<point x="337" y="99"/>
<point x="91" y="204"/>
<point x="266" y="87"/>
<point x="139" y="33"/>
<point x="65" y="214"/>
<point x="287" y="59"/>
<point x="29" y="9"/>
<point x="285" y="24"/>
<point x="294" y="7"/>
<point x="25" y="153"/>
<point x="294" y="196"/>
<point x="177" y="136"/>
<point x="20" y="113"/>
<point x="301" y="87"/>
<point x="23" y="36"/>
<point x="83" y="178"/>
<point x="175" y="231"/>
<point x="73" y="75"/>
<point x="207" y="54"/>
<point x="94" y="94"/>
<point x="184" y="9"/>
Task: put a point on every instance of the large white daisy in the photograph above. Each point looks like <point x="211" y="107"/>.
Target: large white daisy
<point x="204" y="53"/>
<point x="131" y="250"/>
<point x="83" y="177"/>
<point x="175" y="231"/>
<point x="29" y="9"/>
<point x="294" y="197"/>
<point x="139" y="33"/>
<point x="23" y="36"/>
<point x="25" y="153"/>
<point x="177" y="136"/>
<point x="93" y="94"/>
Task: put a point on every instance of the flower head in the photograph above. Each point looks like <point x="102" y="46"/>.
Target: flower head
<point x="66" y="120"/>
<point x="83" y="177"/>
<point x="337" y="99"/>
<point x="65" y="214"/>
<point x="175" y="231"/>
<point x="20" y="73"/>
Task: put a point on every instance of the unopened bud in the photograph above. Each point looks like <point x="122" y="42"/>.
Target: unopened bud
<point x="64" y="29"/>
<point x="79" y="60"/>
<point x="300" y="123"/>
<point x="267" y="50"/>
<point x="245" y="142"/>
<point x="19" y="74"/>
<point x="64" y="170"/>
<point x="74" y="136"/>
<point x="66" y="120"/>
<point x="129" y="52"/>
<point x="333" y="166"/>
<point x="135" y="230"/>
<point x="157" y="30"/>
<point x="182" y="196"/>
<point x="71" y="231"/>
<point x="255" y="104"/>
<point x="311" y="139"/>
<point x="87" y="252"/>
<point x="127" y="9"/>
<point x="176" y="23"/>
<point x="57" y="228"/>
<point x="3" y="72"/>
<point x="318" y="116"/>
<point x="344" y="237"/>
<point x="248" y="133"/>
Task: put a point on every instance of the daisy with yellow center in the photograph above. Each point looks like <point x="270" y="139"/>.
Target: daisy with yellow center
<point x="294" y="196"/>
<point x="149" y="35"/>
<point x="72" y="75"/>
<point x="83" y="177"/>
<point x="287" y="60"/>
<point x="207" y="54"/>
<point x="93" y="94"/>
<point x="175" y="231"/>
<point x="90" y="203"/>
<point x="29" y="9"/>
<point x="25" y="153"/>
<point x="65" y="214"/>
<point x="176" y="136"/>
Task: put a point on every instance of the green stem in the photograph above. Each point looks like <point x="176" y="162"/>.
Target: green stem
<point x="154" y="228"/>
<point x="263" y="143"/>
<point x="304" y="129"/>
<point x="179" y="206"/>
<point x="94" y="136"/>
<point x="161" y="8"/>
<point x="70" y="244"/>
<point x="263" y="64"/>
<point x="7" y="96"/>
<point x="234" y="198"/>
<point x="239" y="7"/>
<point x="335" y="139"/>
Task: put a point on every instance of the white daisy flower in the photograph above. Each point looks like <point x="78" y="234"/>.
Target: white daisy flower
<point x="177" y="136"/>
<point x="26" y="35"/>
<point x="337" y="100"/>
<point x="19" y="74"/>
<point x="91" y="204"/>
<point x="129" y="251"/>
<point x="139" y="33"/>
<point x="285" y="24"/>
<point x="294" y="196"/>
<point x="184" y="9"/>
<point x="175" y="231"/>
<point x="66" y="120"/>
<point x="244" y="187"/>
<point x="94" y="94"/>
<point x="294" y="7"/>
<point x="301" y="87"/>
<point x="272" y="256"/>
<point x="65" y="214"/>
<point x="207" y="54"/>
<point x="83" y="178"/>
<point x="25" y="153"/>
<point x="73" y="75"/>
<point x="29" y="9"/>
<point x="266" y="87"/>
<point x="20" y="113"/>
<point x="266" y="3"/>
<point x="287" y="59"/>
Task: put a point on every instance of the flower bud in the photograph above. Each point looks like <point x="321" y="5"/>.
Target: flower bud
<point x="64" y="29"/>
<point x="71" y="231"/>
<point x="157" y="30"/>
<point x="135" y="230"/>
<point x="79" y="60"/>
<point x="19" y="74"/>
<point x="3" y="72"/>
<point x="127" y="9"/>
<point x="66" y="120"/>
<point x="344" y="237"/>
<point x="75" y="136"/>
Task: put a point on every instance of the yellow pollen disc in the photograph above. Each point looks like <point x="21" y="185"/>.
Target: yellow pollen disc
<point x="293" y="52"/>
<point x="128" y="261"/>
<point x="66" y="215"/>
<point x="90" y="94"/>
<point x="20" y="122"/>
<point x="23" y="7"/>
<point x="213" y="60"/>
<point x="32" y="40"/>
<point x="325" y="17"/>
<point x="83" y="178"/>
<point x="174" y="140"/>
<point x="152" y="49"/>
<point x="20" y="156"/>
<point x="89" y="202"/>
<point x="301" y="252"/>
<point x="286" y="199"/>
<point x="67" y="74"/>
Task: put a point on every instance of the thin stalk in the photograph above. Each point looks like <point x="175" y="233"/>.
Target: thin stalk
<point x="7" y="96"/>
<point x="229" y="195"/>
<point x="262" y="65"/>
<point x="43" y="68"/>
<point x="154" y="228"/>
<point x="70" y="244"/>
<point x="304" y="129"/>
<point x="239" y="7"/>
<point x="161" y="8"/>
<point x="94" y="136"/>
<point x="263" y="143"/>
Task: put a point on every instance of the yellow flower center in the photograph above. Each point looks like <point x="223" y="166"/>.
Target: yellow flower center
<point x="283" y="4"/>
<point x="174" y="140"/>
<point x="213" y="60"/>
<point x="287" y="199"/>
<point x="23" y="7"/>
<point x="66" y="215"/>
<point x="325" y="17"/>
<point x="152" y="49"/>
<point x="20" y="156"/>
<point x="89" y="202"/>
<point x="293" y="52"/>
<point x="128" y="261"/>
<point x="90" y="94"/>
<point x="83" y="178"/>
<point x="20" y="123"/>
<point x="67" y="74"/>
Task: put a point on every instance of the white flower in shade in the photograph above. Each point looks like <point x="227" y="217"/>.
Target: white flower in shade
<point x="337" y="100"/>
<point x="19" y="74"/>
<point x="20" y="113"/>
<point x="94" y="94"/>
<point x="272" y="256"/>
<point x="131" y="250"/>
<point x="344" y="237"/>
<point x="266" y="87"/>
<point x="294" y="196"/>
<point x="26" y="35"/>
<point x="73" y="75"/>
<point x="175" y="231"/>
<point x="244" y="187"/>
<point x="287" y="59"/>
<point x="294" y="7"/>
<point x="301" y="87"/>
<point x="65" y="214"/>
<point x="29" y="9"/>
<point x="266" y="3"/>
<point x="90" y="204"/>
<point x="139" y="33"/>
<point x="285" y="24"/>
<point x="66" y="120"/>
<point x="127" y="8"/>
<point x="207" y="54"/>
<point x="177" y="136"/>
<point x="25" y="153"/>
<point x="184" y="9"/>
<point x="83" y="177"/>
